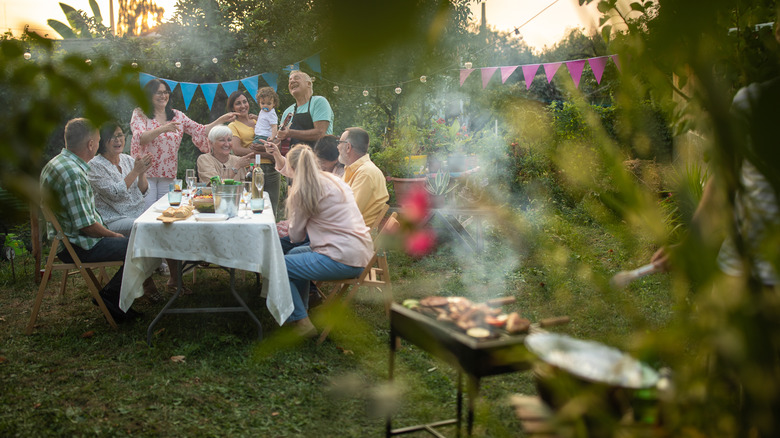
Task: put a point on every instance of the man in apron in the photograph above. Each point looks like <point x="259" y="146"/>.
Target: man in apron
<point x="309" y="118"/>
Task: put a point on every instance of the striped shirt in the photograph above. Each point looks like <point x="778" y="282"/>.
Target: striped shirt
<point x="65" y="179"/>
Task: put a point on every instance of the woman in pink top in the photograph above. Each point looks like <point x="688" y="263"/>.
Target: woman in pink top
<point x="160" y="131"/>
<point x="323" y="207"/>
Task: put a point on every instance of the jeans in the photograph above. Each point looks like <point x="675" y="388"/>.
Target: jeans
<point x="303" y="266"/>
<point x="288" y="246"/>
<point x="122" y="226"/>
<point x="271" y="185"/>
<point x="107" y="250"/>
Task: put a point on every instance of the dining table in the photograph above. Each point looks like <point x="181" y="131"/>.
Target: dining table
<point x="248" y="241"/>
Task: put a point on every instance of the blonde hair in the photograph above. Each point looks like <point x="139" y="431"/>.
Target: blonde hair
<point x="306" y="190"/>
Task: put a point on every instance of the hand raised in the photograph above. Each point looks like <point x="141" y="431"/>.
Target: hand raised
<point x="172" y="127"/>
<point x="227" y="117"/>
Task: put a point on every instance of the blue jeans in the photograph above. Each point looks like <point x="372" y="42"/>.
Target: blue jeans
<point x="303" y="266"/>
<point x="108" y="249"/>
<point x="288" y="246"/>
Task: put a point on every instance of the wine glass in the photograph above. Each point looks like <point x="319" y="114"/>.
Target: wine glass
<point x="191" y="179"/>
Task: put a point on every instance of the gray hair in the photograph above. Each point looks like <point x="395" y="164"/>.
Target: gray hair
<point x="218" y="132"/>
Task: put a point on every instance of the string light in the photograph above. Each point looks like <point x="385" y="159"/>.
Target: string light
<point x="335" y="88"/>
<point x="423" y="79"/>
<point x="214" y="60"/>
<point x="88" y="61"/>
<point x="314" y="79"/>
<point x="398" y="90"/>
<point x="27" y="55"/>
<point x="365" y="93"/>
<point x="467" y="65"/>
<point x="178" y="64"/>
<point x="134" y="65"/>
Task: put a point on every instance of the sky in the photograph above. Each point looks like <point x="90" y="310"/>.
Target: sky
<point x="545" y="29"/>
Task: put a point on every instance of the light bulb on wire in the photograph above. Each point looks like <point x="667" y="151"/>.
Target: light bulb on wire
<point x="365" y="93"/>
<point x="467" y="65"/>
<point x="335" y="88"/>
<point x="398" y="90"/>
<point x="423" y="79"/>
<point x="214" y="60"/>
<point x="27" y="55"/>
<point x="177" y="64"/>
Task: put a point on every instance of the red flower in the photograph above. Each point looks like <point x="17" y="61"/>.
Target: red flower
<point x="440" y="121"/>
<point x="416" y="205"/>
<point x="420" y="243"/>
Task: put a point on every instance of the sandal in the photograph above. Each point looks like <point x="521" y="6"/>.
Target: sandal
<point x="172" y="289"/>
<point x="154" y="295"/>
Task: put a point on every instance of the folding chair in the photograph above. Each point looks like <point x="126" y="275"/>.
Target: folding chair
<point x="376" y="275"/>
<point x="85" y="269"/>
<point x="379" y="218"/>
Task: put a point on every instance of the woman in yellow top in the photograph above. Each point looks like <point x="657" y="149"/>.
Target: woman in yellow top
<point x="243" y="129"/>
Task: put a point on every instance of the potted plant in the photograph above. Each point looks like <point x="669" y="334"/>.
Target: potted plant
<point x="439" y="185"/>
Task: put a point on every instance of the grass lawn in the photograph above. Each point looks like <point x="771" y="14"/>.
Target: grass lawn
<point x="60" y="382"/>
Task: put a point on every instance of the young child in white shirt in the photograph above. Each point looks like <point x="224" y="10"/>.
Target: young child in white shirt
<point x="267" y="120"/>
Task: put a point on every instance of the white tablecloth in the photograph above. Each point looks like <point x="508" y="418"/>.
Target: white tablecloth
<point x="250" y="243"/>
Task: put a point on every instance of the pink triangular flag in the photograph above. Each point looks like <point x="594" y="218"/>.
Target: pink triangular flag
<point x="529" y="71"/>
<point x="550" y="70"/>
<point x="487" y="73"/>
<point x="575" y="70"/>
<point x="464" y="73"/>
<point x="597" y="65"/>
<point x="506" y="71"/>
<point x="616" y="61"/>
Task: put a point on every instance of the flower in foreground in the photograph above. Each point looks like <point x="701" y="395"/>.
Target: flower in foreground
<point x="420" y="242"/>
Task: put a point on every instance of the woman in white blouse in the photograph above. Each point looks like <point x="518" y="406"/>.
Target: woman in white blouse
<point x="119" y="181"/>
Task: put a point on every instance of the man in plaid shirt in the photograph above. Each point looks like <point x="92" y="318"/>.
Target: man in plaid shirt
<point x="64" y="179"/>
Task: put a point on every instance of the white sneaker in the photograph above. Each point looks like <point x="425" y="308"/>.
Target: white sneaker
<point x="163" y="269"/>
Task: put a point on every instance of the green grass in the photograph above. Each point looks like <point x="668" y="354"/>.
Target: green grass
<point x="57" y="382"/>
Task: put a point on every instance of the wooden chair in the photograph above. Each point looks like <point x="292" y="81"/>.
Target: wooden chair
<point x="379" y="218"/>
<point x="375" y="275"/>
<point x="77" y="266"/>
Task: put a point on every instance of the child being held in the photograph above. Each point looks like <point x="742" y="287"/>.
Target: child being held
<point x="267" y="120"/>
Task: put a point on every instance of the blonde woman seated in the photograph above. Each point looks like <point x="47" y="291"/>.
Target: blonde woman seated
<point x="219" y="161"/>
<point x="323" y="207"/>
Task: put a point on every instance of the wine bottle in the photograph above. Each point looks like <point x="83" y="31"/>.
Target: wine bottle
<point x="258" y="180"/>
<point x="248" y="176"/>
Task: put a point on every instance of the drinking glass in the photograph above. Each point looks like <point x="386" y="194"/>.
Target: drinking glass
<point x="191" y="179"/>
<point x="174" y="196"/>
<point x="247" y="192"/>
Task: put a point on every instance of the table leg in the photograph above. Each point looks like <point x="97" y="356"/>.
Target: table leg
<point x="167" y="305"/>
<point x="459" y="409"/>
<point x="473" y="393"/>
<point x="243" y="304"/>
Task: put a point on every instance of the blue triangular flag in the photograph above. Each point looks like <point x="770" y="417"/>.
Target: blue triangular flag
<point x="314" y="63"/>
<point x="171" y="84"/>
<point x="209" y="91"/>
<point x="230" y="87"/>
<point x="270" y="79"/>
<point x="187" y="91"/>
<point x="292" y="67"/>
<point x="144" y="78"/>
<point x="251" y="85"/>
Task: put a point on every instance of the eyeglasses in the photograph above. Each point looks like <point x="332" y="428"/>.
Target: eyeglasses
<point x="118" y="137"/>
<point x="344" y="141"/>
<point x="162" y="93"/>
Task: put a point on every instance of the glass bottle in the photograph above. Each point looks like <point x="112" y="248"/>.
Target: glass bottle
<point x="258" y="180"/>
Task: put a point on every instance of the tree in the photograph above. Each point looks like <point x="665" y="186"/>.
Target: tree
<point x="81" y="25"/>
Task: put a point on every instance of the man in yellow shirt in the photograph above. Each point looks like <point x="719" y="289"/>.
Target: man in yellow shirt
<point x="361" y="174"/>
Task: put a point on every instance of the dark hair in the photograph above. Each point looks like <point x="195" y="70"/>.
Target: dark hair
<point x="232" y="99"/>
<point x="106" y="134"/>
<point x="358" y="138"/>
<point x="77" y="131"/>
<point x="327" y="148"/>
<point x="150" y="88"/>
<point x="268" y="92"/>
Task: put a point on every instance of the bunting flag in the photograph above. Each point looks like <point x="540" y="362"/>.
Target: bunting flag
<point x="506" y="72"/>
<point x="597" y="66"/>
<point x="529" y="72"/>
<point x="209" y="92"/>
<point x="314" y="63"/>
<point x="464" y="73"/>
<point x="251" y="85"/>
<point x="145" y="78"/>
<point x="615" y="60"/>
<point x="575" y="67"/>
<point x="487" y="73"/>
<point x="187" y="91"/>
<point x="550" y="69"/>
<point x="171" y="84"/>
<point x="270" y="79"/>
<point x="575" y="70"/>
<point x="229" y="87"/>
<point x="292" y="67"/>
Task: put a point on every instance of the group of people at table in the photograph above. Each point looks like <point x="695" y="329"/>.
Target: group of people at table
<point x="335" y="195"/>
